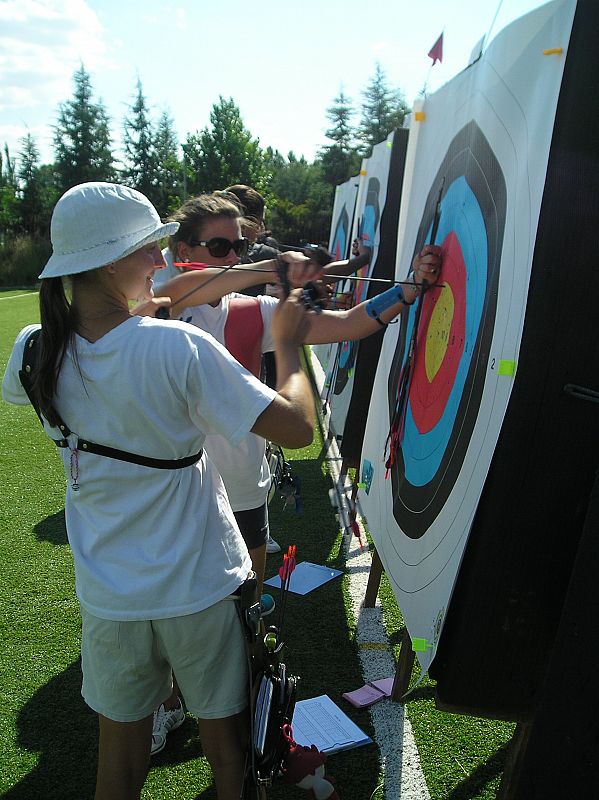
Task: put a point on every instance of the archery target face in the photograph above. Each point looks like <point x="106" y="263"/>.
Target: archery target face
<point x="341" y="222"/>
<point x="339" y="242"/>
<point x="369" y="226"/>
<point x="341" y="236"/>
<point x="455" y="331"/>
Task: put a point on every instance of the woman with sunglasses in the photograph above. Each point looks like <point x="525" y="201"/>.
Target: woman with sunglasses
<point x="156" y="549"/>
<point x="219" y="247"/>
<point x="208" y="226"/>
<point x="210" y="232"/>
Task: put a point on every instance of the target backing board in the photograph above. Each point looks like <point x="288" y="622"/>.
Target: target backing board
<point x="481" y="157"/>
<point x="376" y="222"/>
<point x="518" y="564"/>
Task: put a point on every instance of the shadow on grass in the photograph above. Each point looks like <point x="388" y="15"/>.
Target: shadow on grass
<point x="207" y="794"/>
<point x="421" y="693"/>
<point x="56" y="723"/>
<point x="52" y="529"/>
<point x="482" y="775"/>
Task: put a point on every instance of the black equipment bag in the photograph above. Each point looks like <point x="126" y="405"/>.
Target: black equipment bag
<point x="273" y="708"/>
<point x="272" y="697"/>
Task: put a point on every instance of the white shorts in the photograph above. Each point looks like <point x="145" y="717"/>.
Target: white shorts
<point x="127" y="666"/>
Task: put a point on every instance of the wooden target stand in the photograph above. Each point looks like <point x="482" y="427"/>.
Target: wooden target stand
<point x="405" y="662"/>
<point x="407" y="656"/>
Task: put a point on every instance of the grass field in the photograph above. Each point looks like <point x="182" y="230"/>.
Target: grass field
<point x="48" y="736"/>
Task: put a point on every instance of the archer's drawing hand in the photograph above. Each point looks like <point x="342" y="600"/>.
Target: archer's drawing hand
<point x="290" y="321"/>
<point x="301" y="269"/>
<point x="427" y="264"/>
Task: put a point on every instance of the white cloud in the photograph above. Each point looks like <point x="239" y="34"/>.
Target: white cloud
<point x="22" y="10"/>
<point x="379" y="47"/>
<point x="42" y="43"/>
<point x="177" y="16"/>
<point x="12" y="135"/>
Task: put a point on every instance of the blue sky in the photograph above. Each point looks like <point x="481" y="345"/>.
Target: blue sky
<point x="282" y="63"/>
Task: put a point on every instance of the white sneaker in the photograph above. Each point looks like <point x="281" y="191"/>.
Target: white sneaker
<point x="272" y="546"/>
<point x="165" y="720"/>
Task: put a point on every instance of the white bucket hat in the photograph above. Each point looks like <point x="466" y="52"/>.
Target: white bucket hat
<point x="94" y="224"/>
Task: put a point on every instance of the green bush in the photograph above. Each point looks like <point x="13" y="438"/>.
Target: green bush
<point x="22" y="259"/>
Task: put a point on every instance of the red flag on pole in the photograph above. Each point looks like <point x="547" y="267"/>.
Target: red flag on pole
<point x="436" y="51"/>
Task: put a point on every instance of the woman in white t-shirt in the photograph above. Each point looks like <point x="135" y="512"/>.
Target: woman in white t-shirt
<point x="129" y="401"/>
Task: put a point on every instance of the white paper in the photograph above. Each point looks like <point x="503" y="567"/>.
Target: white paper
<point x="320" y="722"/>
<point x="306" y="577"/>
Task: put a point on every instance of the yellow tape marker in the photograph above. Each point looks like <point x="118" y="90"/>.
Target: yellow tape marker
<point x="507" y="368"/>
<point x="553" y="51"/>
<point x="419" y="116"/>
<point x="373" y="646"/>
<point x="389" y="144"/>
<point x="363" y="172"/>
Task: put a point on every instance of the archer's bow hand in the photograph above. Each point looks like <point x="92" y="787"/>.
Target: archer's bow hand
<point x="289" y="323"/>
<point x="427" y="264"/>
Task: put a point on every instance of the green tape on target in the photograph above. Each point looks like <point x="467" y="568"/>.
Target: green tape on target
<point x="507" y="368"/>
<point x="420" y="645"/>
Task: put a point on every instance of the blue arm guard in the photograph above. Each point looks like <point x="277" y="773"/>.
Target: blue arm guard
<point x="376" y="305"/>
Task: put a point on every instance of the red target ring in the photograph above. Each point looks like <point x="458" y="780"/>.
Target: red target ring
<point x="440" y="340"/>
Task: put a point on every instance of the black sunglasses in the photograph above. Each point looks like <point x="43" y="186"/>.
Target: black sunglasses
<point x="219" y="247"/>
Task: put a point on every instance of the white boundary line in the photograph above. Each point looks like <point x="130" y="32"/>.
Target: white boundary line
<point x="15" y="296"/>
<point x="400" y="760"/>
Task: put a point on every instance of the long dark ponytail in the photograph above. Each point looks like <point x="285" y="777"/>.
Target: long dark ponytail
<point x="59" y="323"/>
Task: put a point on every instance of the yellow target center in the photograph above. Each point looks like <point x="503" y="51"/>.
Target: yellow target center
<point x="437" y="337"/>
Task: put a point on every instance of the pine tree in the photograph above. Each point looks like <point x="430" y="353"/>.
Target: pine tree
<point x="383" y="109"/>
<point x="37" y="190"/>
<point x="10" y="218"/>
<point x="224" y="154"/>
<point x="339" y="160"/>
<point x="169" y="169"/>
<point x="340" y="115"/>
<point x="140" y="163"/>
<point x="82" y="142"/>
<point x="30" y="195"/>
